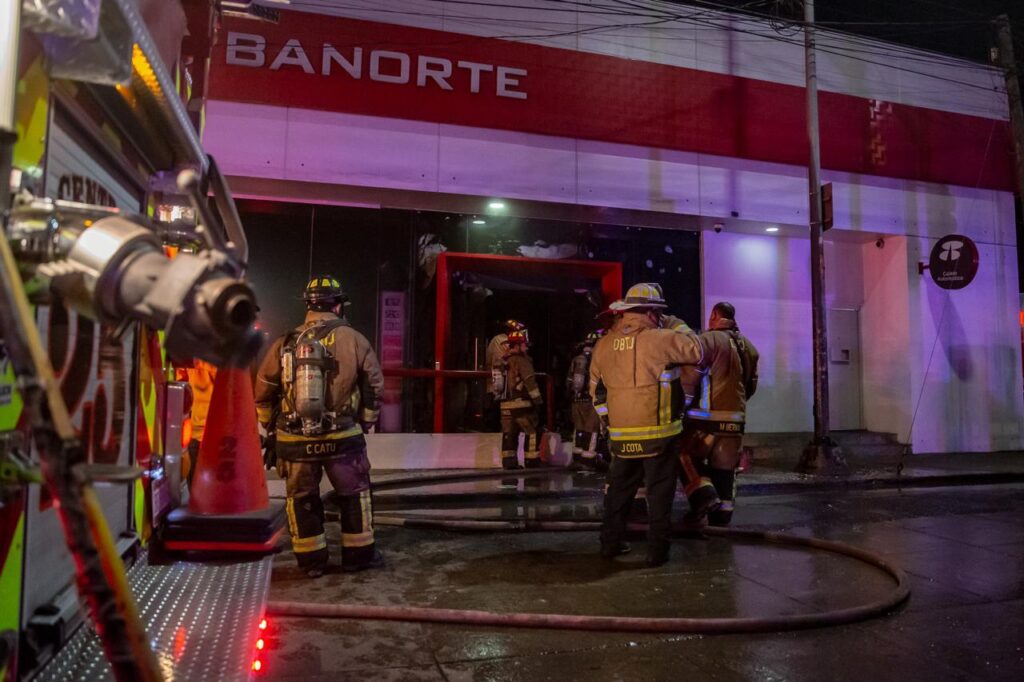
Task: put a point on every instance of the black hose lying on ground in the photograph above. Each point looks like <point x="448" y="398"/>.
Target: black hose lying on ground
<point x="557" y="621"/>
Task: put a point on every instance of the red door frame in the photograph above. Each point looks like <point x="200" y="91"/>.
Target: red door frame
<point x="610" y="275"/>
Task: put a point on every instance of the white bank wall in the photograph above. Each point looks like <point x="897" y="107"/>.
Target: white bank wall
<point x="952" y="356"/>
<point x="972" y="387"/>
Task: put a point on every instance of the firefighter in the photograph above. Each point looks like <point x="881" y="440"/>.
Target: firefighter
<point x="634" y="381"/>
<point x="519" y="400"/>
<point x="494" y="361"/>
<point x="200" y="377"/>
<point x="665" y="321"/>
<point x="607" y="318"/>
<point x="325" y="384"/>
<point x="585" y="421"/>
<point x="713" y="433"/>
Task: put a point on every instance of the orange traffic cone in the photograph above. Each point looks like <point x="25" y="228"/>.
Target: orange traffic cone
<point x="229" y="508"/>
<point x="229" y="477"/>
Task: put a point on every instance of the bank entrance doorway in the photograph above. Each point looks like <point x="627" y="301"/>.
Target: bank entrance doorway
<point x="558" y="300"/>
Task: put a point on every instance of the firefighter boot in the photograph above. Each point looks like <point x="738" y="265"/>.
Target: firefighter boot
<point x="531" y="451"/>
<point x="725" y="485"/>
<point x="584" y="451"/>
<point x="577" y="449"/>
<point x="703" y="500"/>
<point x="358" y="548"/>
<point x="700" y="492"/>
<point x="612" y="550"/>
<point x="589" y="459"/>
<point x="509" y="445"/>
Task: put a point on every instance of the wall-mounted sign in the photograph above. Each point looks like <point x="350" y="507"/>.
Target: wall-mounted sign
<point x="383" y="66"/>
<point x="954" y="262"/>
<point x="391" y="353"/>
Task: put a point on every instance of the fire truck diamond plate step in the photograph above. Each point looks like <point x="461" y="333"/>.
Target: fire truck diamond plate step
<point x="202" y="621"/>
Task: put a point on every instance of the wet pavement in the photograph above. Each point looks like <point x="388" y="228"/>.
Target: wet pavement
<point x="962" y="547"/>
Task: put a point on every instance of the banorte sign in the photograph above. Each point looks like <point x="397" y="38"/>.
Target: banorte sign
<point x="382" y="66"/>
<point x="318" y="62"/>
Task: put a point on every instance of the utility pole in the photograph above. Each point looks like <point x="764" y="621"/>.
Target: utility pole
<point x="822" y="451"/>
<point x="1004" y="43"/>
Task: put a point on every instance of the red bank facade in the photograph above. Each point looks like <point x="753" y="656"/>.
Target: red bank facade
<point x="386" y="139"/>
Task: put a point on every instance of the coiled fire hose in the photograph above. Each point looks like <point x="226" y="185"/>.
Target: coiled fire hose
<point x="557" y="621"/>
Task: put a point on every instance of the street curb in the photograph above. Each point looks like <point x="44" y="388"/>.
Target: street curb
<point x="838" y="484"/>
<point x="810" y="484"/>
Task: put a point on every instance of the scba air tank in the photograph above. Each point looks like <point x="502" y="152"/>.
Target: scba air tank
<point x="309" y="386"/>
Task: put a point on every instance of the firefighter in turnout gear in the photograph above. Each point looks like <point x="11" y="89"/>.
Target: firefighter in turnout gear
<point x="494" y="362"/>
<point x="520" y="399"/>
<point x="494" y="357"/>
<point x="200" y="376"/>
<point x="586" y="423"/>
<point x="713" y="434"/>
<point x="634" y="381"/>
<point x="665" y="321"/>
<point x="324" y="384"/>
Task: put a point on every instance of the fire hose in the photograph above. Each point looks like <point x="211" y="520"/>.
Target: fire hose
<point x="557" y="621"/>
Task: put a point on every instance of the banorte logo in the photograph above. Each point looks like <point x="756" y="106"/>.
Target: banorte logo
<point x="953" y="261"/>
<point x="951" y="251"/>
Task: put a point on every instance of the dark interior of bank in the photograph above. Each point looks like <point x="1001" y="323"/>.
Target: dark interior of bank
<point x="375" y="251"/>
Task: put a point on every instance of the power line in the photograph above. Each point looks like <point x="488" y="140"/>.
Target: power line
<point x="783" y="39"/>
<point x="798" y="23"/>
<point x="942" y="5"/>
<point x="479" y="3"/>
<point x="665" y="17"/>
<point x="734" y="8"/>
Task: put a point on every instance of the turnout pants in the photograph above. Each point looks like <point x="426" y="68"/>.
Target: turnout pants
<point x="587" y="433"/>
<point x="350" y="477"/>
<point x="513" y="422"/>
<point x="659" y="473"/>
<point x="708" y="461"/>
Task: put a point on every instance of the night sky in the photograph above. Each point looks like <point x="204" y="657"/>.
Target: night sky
<point x="956" y="27"/>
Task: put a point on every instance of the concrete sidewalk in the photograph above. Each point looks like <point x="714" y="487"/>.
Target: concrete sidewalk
<point x="778" y="475"/>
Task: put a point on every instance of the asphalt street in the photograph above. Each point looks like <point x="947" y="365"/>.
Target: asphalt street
<point x="962" y="547"/>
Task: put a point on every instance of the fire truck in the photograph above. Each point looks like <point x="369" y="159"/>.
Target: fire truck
<point x="123" y="256"/>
